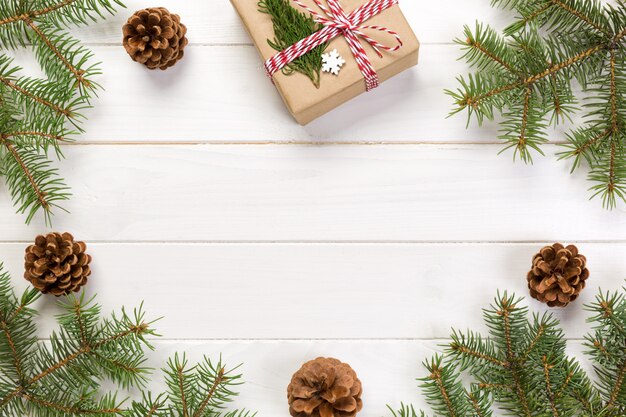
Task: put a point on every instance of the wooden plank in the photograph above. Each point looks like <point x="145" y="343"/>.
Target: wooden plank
<point x="328" y="193"/>
<point x="321" y="291"/>
<point x="387" y="369"/>
<point x="215" y="22"/>
<point x="221" y="94"/>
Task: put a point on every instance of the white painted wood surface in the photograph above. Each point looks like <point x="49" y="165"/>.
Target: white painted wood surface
<point x="366" y="235"/>
<point x="334" y="193"/>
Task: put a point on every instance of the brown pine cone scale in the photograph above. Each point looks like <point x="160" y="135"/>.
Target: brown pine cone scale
<point x="155" y="37"/>
<point x="325" y="387"/>
<point x="57" y="264"/>
<point x="558" y="275"/>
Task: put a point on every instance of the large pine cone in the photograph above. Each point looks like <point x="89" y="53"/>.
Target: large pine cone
<point x="155" y="38"/>
<point x="56" y="264"/>
<point x="324" y="387"/>
<point x="558" y="275"/>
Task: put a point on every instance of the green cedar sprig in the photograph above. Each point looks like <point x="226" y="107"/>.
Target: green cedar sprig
<point x="528" y="75"/>
<point x="521" y="367"/>
<point x="37" y="115"/>
<point x="291" y="26"/>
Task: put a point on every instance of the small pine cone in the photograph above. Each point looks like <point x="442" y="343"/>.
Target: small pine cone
<point x="155" y="37"/>
<point x="325" y="387"/>
<point x="57" y="264"/>
<point x="558" y="275"/>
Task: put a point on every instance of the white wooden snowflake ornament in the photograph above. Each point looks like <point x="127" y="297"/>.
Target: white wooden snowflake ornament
<point x="332" y="62"/>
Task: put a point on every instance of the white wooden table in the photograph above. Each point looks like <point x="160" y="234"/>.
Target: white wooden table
<point x="364" y="236"/>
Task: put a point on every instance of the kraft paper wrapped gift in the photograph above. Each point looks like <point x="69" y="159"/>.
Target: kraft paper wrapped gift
<point x="306" y="102"/>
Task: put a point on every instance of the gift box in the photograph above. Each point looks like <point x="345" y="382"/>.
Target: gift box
<point x="384" y="37"/>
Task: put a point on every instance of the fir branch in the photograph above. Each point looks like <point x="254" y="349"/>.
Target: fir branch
<point x="17" y="362"/>
<point x="63" y="378"/>
<point x="443" y="389"/>
<point x="547" y="367"/>
<point x="566" y="383"/>
<point x="405" y="411"/>
<point x="533" y="15"/>
<point x="580" y="14"/>
<point x="32" y="96"/>
<point x="522" y="142"/>
<point x="531" y="80"/>
<point x="31" y="180"/>
<point x="520" y="392"/>
<point x="50" y="9"/>
<point x="527" y="74"/>
<point x="79" y="75"/>
<point x="613" y="93"/>
<point x="540" y="380"/>
<point x="55" y="138"/>
<point x="539" y="333"/>
<point x="34" y="184"/>
<point x="436" y="376"/>
<point x="492" y="387"/>
<point x="202" y="390"/>
<point x="182" y="391"/>
<point x="35" y="13"/>
<point x="564" y="64"/>
<point x="68" y="410"/>
<point x="36" y="113"/>
<point x="470" y="347"/>
<point x="618" y="388"/>
<point x="480" y="404"/>
<point x="210" y="394"/>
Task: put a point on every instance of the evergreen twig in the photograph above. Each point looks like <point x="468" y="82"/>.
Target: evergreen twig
<point x="38" y="114"/>
<point x="527" y="74"/>
<point x="291" y="26"/>
<point x="202" y="390"/>
<point x="64" y="377"/>
<point x="521" y="369"/>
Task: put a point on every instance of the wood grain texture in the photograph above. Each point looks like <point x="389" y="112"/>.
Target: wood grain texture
<point x="199" y="194"/>
<point x="215" y="22"/>
<point x="220" y="94"/>
<point x="387" y="369"/>
<point x="323" y="291"/>
<point x="330" y="193"/>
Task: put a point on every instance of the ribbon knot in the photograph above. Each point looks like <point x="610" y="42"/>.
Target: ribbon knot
<point x="337" y="22"/>
<point x="344" y="26"/>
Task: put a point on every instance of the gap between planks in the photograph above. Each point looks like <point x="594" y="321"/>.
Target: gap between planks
<point x="335" y="242"/>
<point x="443" y="341"/>
<point x="316" y="143"/>
<point x="234" y="44"/>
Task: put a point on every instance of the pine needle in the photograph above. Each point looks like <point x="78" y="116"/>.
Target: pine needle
<point x="521" y="368"/>
<point x="36" y="115"/>
<point x="75" y="373"/>
<point x="527" y="75"/>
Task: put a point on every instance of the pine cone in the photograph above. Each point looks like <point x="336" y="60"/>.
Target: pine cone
<point x="558" y="275"/>
<point x="56" y="264"/>
<point x="324" y="387"/>
<point x="155" y="38"/>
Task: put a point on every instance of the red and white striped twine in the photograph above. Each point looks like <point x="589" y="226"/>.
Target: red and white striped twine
<point x="337" y="22"/>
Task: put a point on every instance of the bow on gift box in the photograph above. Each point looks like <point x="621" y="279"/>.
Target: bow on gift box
<point x="337" y="22"/>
